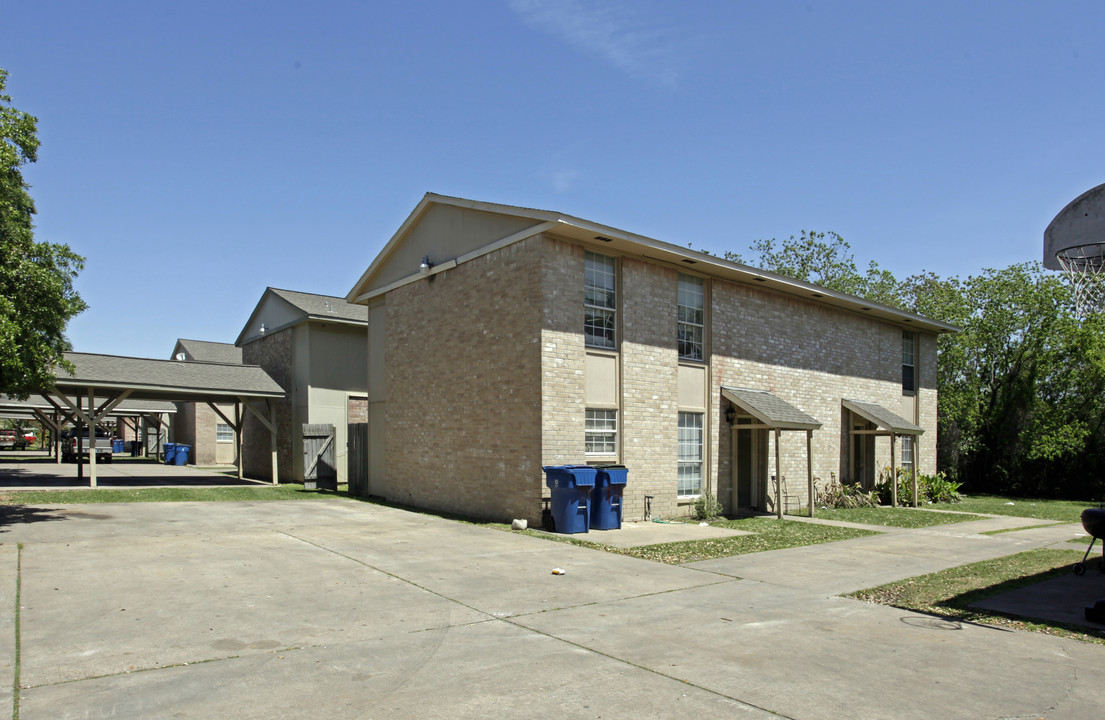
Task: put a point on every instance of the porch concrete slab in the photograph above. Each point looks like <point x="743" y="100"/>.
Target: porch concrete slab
<point x="486" y="670"/>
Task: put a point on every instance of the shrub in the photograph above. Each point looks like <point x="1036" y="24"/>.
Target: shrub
<point x="706" y="507"/>
<point x="930" y="488"/>
<point x="844" y="495"/>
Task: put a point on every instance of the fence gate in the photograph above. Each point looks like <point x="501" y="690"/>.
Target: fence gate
<point x="358" y="458"/>
<point x="319" y="470"/>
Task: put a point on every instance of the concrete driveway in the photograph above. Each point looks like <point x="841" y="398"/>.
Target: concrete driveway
<point x="339" y="609"/>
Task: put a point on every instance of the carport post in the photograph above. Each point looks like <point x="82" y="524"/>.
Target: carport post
<point x="91" y="438"/>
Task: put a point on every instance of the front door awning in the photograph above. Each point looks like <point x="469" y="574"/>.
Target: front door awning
<point x="882" y="418"/>
<point x="769" y="409"/>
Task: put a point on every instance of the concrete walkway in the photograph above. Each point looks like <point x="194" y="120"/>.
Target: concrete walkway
<point x="339" y="609"/>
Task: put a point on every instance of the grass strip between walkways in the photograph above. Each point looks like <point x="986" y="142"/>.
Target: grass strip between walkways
<point x="768" y="534"/>
<point x="950" y="593"/>
<point x="1060" y="510"/>
<point x="903" y="517"/>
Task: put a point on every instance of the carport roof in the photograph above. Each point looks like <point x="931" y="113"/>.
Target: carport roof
<point x="882" y="418"/>
<point x="10" y="407"/>
<point x="770" y="409"/>
<point x="171" y="380"/>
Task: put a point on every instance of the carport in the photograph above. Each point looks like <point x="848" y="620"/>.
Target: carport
<point x="100" y="384"/>
<point x="55" y="416"/>
<point x="770" y="412"/>
<point x="888" y="424"/>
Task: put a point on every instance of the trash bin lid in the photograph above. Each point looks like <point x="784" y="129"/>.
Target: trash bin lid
<point x="612" y="474"/>
<point x="569" y="475"/>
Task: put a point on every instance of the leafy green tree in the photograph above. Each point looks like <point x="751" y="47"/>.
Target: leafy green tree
<point x="37" y="298"/>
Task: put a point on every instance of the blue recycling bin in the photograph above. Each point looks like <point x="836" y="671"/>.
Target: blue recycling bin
<point x="606" y="497"/>
<point x="170" y="452"/>
<point x="181" y="456"/>
<point x="571" y="487"/>
<point x="116" y="446"/>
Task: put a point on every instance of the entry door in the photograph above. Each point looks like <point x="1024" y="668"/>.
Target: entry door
<point x="750" y="468"/>
<point x="863" y="457"/>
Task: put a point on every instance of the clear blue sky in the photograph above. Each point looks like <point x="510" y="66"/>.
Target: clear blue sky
<point x="197" y="152"/>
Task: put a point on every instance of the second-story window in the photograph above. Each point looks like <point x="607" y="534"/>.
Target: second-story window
<point x="909" y="369"/>
<point x="599" y="301"/>
<point x="691" y="317"/>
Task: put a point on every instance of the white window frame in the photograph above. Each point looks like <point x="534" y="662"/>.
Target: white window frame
<point x="907" y="451"/>
<point x="691" y="318"/>
<point x="601" y="432"/>
<point x="219" y="433"/>
<point x="909" y="360"/>
<point x="600" y="301"/>
<point x="691" y="452"/>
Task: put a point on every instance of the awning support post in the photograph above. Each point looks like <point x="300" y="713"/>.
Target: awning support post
<point x="778" y="479"/>
<point x="893" y="471"/>
<point x="916" y="458"/>
<point x="809" y="469"/>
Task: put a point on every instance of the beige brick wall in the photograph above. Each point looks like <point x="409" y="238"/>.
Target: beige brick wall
<point x="563" y="410"/>
<point x="812" y="356"/>
<point x="463" y="411"/>
<point x="650" y="410"/>
<point x="274" y="354"/>
<point x="485" y="380"/>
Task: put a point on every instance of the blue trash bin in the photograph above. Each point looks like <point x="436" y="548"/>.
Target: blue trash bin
<point x="606" y="498"/>
<point x="181" y="457"/>
<point x="571" y="496"/>
<point x="116" y="446"/>
<point x="170" y="452"/>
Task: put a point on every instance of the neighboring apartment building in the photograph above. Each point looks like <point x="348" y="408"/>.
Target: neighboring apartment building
<point x="503" y="339"/>
<point x="314" y="347"/>
<point x="197" y="424"/>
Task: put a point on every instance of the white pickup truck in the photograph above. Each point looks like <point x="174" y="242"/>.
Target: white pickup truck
<point x="69" y="446"/>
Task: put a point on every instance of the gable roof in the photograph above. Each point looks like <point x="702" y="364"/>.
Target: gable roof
<point x="165" y="379"/>
<point x="304" y="307"/>
<point x="206" y="351"/>
<point x="375" y="281"/>
<point x="882" y="418"/>
<point x="323" y="307"/>
<point x="770" y="409"/>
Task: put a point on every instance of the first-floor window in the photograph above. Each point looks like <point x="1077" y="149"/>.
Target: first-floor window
<point x="602" y="432"/>
<point x="690" y="453"/>
<point x="907" y="451"/>
<point x="224" y="433"/>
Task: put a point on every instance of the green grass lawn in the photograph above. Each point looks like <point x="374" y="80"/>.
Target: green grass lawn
<point x="167" y="494"/>
<point x="949" y="593"/>
<point x="770" y="534"/>
<point x="892" y="517"/>
<point x="1062" y="510"/>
